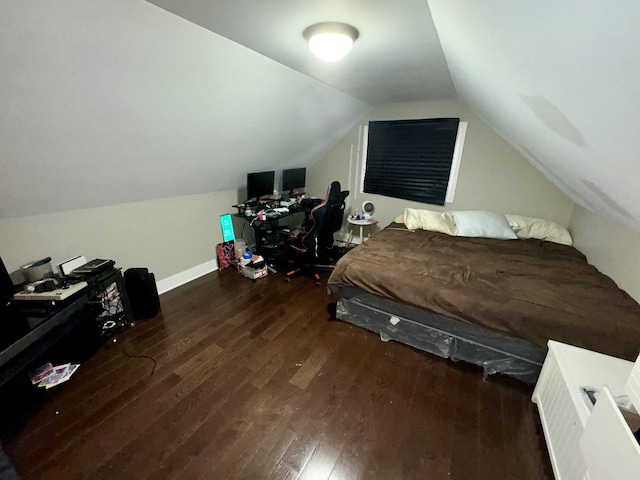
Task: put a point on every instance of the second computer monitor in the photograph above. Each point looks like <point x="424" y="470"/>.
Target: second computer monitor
<point x="294" y="178"/>
<point x="260" y="184"/>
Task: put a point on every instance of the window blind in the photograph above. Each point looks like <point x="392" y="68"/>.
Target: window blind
<point x="410" y="159"/>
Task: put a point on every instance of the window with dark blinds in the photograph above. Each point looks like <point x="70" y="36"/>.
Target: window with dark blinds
<point x="411" y="159"/>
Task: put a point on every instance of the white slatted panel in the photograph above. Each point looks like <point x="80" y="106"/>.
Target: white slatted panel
<point x="560" y="421"/>
<point x="609" y="448"/>
<point x="632" y="387"/>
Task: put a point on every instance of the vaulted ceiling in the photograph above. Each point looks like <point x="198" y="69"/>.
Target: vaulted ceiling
<point x="397" y="57"/>
<point x="120" y="100"/>
<point x="559" y="81"/>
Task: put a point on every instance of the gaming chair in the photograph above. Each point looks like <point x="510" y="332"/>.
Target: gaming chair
<point x="332" y="223"/>
<point x="307" y="248"/>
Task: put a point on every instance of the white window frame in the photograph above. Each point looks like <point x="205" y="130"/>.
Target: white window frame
<point x="455" y="163"/>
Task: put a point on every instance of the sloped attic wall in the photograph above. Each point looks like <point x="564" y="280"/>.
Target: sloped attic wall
<point x="120" y="117"/>
<point x="559" y="81"/>
<point x="106" y="102"/>
<point x="612" y="248"/>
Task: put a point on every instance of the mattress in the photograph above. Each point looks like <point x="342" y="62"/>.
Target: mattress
<point x="526" y="289"/>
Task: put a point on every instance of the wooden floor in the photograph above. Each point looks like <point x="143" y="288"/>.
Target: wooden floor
<point x="256" y="381"/>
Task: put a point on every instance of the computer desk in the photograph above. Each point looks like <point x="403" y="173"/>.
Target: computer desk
<point x="271" y="222"/>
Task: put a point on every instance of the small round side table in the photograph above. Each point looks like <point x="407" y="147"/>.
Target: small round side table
<point x="361" y="223"/>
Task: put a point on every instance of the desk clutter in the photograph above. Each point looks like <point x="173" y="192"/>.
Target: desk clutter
<point x="274" y="208"/>
<point x="305" y="249"/>
<point x="49" y="289"/>
<point x="80" y="286"/>
<point x="253" y="266"/>
<point x="268" y="251"/>
<point x="234" y="253"/>
<point x="263" y="216"/>
<point x="52" y="322"/>
<point x="43" y="285"/>
<point x="95" y="290"/>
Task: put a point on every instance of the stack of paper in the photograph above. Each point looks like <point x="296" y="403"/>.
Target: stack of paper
<point x="48" y="376"/>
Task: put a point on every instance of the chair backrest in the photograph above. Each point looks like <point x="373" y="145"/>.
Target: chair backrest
<point x="318" y="215"/>
<point x="334" y="216"/>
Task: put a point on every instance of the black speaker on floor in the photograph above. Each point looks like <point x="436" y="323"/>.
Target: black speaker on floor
<point x="143" y="293"/>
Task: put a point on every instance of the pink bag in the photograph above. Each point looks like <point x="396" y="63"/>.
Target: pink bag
<point x="226" y="254"/>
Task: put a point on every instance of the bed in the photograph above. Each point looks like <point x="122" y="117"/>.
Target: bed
<point x="494" y="303"/>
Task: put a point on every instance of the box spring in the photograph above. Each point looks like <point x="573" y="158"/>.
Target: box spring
<point x="441" y="335"/>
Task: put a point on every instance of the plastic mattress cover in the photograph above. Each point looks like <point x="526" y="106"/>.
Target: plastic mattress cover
<point x="442" y="336"/>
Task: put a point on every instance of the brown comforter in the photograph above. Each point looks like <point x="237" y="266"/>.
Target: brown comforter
<point x="529" y="289"/>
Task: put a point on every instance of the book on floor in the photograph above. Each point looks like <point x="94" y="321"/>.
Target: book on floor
<point x="48" y="376"/>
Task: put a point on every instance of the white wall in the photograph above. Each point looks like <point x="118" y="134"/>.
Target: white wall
<point x="611" y="247"/>
<point x="114" y="101"/>
<point x="167" y="236"/>
<point x="493" y="176"/>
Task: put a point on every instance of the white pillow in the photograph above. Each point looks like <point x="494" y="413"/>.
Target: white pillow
<point x="478" y="223"/>
<point x="399" y="218"/>
<point x="530" y="227"/>
<point x="415" y="219"/>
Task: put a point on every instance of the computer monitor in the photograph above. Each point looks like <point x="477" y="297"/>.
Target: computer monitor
<point x="260" y="184"/>
<point x="293" y="179"/>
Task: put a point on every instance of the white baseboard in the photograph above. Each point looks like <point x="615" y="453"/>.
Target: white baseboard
<point x="174" y="281"/>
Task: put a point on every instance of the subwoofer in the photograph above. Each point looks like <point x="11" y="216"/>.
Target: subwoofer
<point x="142" y="292"/>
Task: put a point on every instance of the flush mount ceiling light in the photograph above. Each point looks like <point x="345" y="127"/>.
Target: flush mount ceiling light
<point x="330" y="41"/>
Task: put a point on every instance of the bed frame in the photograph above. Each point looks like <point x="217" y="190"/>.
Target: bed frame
<point x="440" y="335"/>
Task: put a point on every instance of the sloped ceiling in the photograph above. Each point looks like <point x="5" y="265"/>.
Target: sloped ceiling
<point x="559" y="80"/>
<point x="397" y="57"/>
<point x="112" y="101"/>
<point x="105" y="102"/>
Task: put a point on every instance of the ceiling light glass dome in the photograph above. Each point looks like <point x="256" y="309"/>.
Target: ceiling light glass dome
<point x="330" y="41"/>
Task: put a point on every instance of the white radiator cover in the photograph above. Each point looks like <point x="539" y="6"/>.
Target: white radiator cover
<point x="565" y="415"/>
<point x="632" y="387"/>
<point x="560" y="422"/>
<point x="608" y="446"/>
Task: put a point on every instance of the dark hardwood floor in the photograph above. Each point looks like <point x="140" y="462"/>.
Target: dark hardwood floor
<point x="255" y="380"/>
